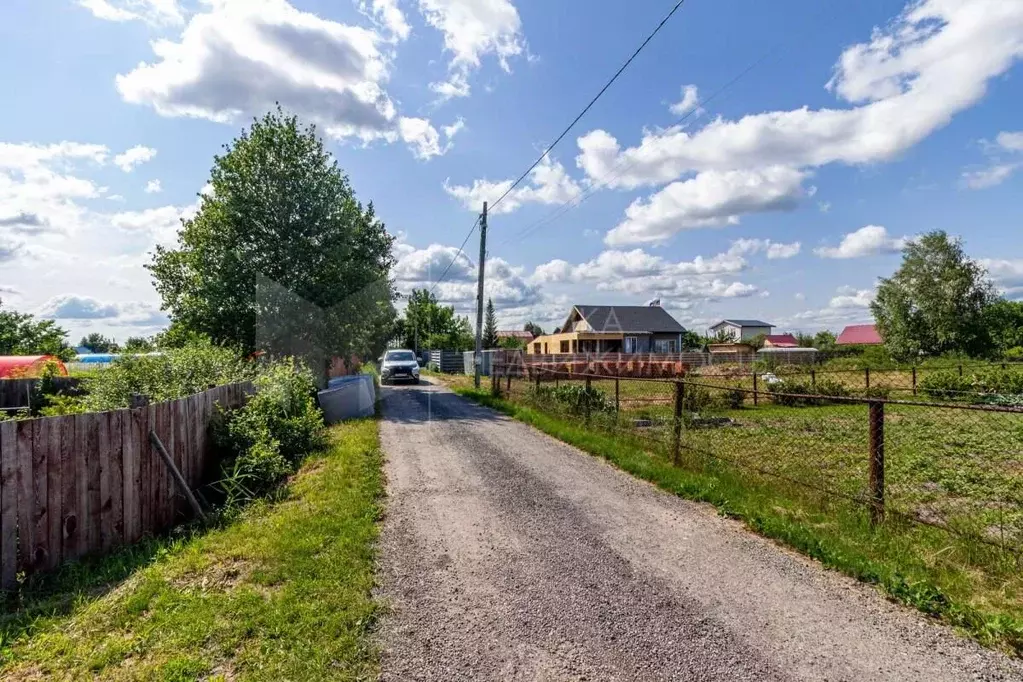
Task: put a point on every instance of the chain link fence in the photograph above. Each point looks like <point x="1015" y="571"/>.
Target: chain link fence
<point x="900" y="447"/>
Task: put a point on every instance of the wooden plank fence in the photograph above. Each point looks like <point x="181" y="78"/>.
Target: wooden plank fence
<point x="86" y="483"/>
<point x="16" y="394"/>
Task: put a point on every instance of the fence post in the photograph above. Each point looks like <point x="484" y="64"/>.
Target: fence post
<point x="756" y="395"/>
<point x="617" y="402"/>
<point x="676" y="438"/>
<point x="508" y="374"/>
<point x="914" y="380"/>
<point x="876" y="462"/>
<point x="538" y="378"/>
<point x="866" y="377"/>
<point x="495" y="383"/>
<point x="960" y="369"/>
<point x="813" y="378"/>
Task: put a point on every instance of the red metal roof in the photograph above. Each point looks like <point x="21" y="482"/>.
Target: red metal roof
<point x="24" y="366"/>
<point x="781" y="341"/>
<point x="515" y="334"/>
<point x="859" y="334"/>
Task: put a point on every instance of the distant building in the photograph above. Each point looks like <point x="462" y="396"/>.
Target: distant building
<point x="742" y="330"/>
<point x="780" y="341"/>
<point x="515" y="334"/>
<point x="859" y="335"/>
<point x="613" y="329"/>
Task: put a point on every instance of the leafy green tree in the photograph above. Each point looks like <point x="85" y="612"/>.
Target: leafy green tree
<point x="512" y="343"/>
<point x="280" y="256"/>
<point x="22" y="334"/>
<point x="427" y="324"/>
<point x="691" y="339"/>
<point x="1004" y="321"/>
<point x="98" y="343"/>
<point x="534" y="329"/>
<point x="756" y="342"/>
<point x="139" y="344"/>
<point x="823" y="340"/>
<point x="490" y="326"/>
<point x="935" y="301"/>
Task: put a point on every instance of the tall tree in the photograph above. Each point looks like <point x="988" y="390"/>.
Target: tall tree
<point x="97" y="343"/>
<point x="427" y="324"/>
<point x="1004" y="321"/>
<point x="935" y="301"/>
<point x="281" y="256"/>
<point x="534" y="329"/>
<point x="139" y="344"/>
<point x="490" y="339"/>
<point x="824" y="340"/>
<point x="22" y="334"/>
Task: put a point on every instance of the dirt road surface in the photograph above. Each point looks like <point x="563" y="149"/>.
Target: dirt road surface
<point x="507" y="555"/>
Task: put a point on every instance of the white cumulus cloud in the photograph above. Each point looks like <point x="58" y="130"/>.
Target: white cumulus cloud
<point x="136" y="156"/>
<point x="866" y="241"/>
<point x="711" y="198"/>
<point x="155" y="12"/>
<point x="690" y="100"/>
<point x="548" y="183"/>
<point x="472" y="30"/>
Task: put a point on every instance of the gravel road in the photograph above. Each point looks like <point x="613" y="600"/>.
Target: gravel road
<point x="507" y="555"/>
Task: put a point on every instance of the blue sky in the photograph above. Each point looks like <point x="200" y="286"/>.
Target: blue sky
<point x="785" y="197"/>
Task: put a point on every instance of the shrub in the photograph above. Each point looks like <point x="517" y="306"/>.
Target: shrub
<point x="173" y="374"/>
<point x="696" y="398"/>
<point x="1014" y="354"/>
<point x="946" y="384"/>
<point x="880" y="391"/>
<point x="729" y="398"/>
<point x="266" y="439"/>
<point x="576" y="398"/>
<point x="798" y="394"/>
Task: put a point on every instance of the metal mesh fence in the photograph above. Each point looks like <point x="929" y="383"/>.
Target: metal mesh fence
<point x="952" y="461"/>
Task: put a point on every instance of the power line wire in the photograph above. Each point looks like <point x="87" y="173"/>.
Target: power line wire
<point x="590" y="105"/>
<point x="459" y="253"/>
<point x="606" y="179"/>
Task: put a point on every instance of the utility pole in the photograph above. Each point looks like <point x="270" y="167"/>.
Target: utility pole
<point x="479" y="296"/>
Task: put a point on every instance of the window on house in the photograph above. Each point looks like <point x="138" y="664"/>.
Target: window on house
<point x="536" y="348"/>
<point x="631" y="344"/>
<point x="664" y="345"/>
<point x="564" y="346"/>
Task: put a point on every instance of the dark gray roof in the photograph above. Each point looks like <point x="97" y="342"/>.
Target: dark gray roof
<point x="630" y="318"/>
<point x="747" y="323"/>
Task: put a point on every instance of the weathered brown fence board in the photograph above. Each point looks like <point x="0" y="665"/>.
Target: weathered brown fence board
<point x="26" y="494"/>
<point x="70" y="521"/>
<point x="85" y="483"/>
<point x="132" y="476"/>
<point x="40" y="444"/>
<point x="54" y="488"/>
<point x="8" y="502"/>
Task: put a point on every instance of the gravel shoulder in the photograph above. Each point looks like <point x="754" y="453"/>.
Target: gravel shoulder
<point x="508" y="555"/>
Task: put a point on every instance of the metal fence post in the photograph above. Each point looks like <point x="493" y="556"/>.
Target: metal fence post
<point x="876" y="462"/>
<point x="509" y="375"/>
<point x="538" y="378"/>
<point x="866" y="377"/>
<point x="960" y="369"/>
<point x="813" y="378"/>
<point x="676" y="439"/>
<point x="495" y="383"/>
<point x="756" y="395"/>
<point x="914" y="380"/>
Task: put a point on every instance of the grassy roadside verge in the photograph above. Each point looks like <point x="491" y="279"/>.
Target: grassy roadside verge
<point x="908" y="563"/>
<point x="281" y="593"/>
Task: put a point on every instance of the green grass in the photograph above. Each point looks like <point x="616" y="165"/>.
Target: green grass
<point x="969" y="585"/>
<point x="280" y="593"/>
